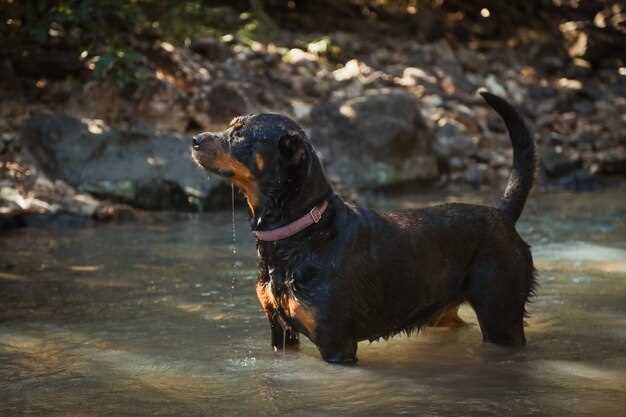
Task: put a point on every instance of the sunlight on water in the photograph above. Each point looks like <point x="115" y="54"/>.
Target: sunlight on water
<point x="580" y="256"/>
<point x="132" y="320"/>
<point x="579" y="252"/>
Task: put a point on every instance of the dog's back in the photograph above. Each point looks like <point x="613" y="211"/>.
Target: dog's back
<point x="418" y="263"/>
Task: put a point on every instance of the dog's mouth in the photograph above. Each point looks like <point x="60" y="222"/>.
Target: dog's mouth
<point x="214" y="161"/>
<point x="218" y="162"/>
<point x="208" y="165"/>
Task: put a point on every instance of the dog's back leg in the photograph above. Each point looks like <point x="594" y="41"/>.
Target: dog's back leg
<point x="499" y="287"/>
<point x="336" y="345"/>
<point x="449" y="318"/>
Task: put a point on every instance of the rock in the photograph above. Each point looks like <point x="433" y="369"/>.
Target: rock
<point x="374" y="140"/>
<point x="304" y="85"/>
<point x="437" y="53"/>
<point x="452" y="140"/>
<point x="412" y="76"/>
<point x="300" y="109"/>
<point x="115" y="212"/>
<point x="440" y="59"/>
<point x="11" y="220"/>
<point x="218" y="106"/>
<point x="456" y="164"/>
<point x="225" y="102"/>
<point x="8" y="145"/>
<point x="44" y="199"/>
<point x="353" y="89"/>
<point x="149" y="195"/>
<point x="612" y="162"/>
<point x="162" y="105"/>
<point x="580" y="180"/>
<point x="146" y="170"/>
<point x="11" y="200"/>
<point x="584" y="107"/>
<point x="352" y="69"/>
<point x="100" y="100"/>
<point x="210" y="48"/>
<point x="296" y="56"/>
<point x="475" y="175"/>
<point x="495" y="86"/>
<point x="557" y="164"/>
<point x="38" y="62"/>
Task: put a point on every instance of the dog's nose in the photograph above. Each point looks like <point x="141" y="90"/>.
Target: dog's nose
<point x="196" y="141"/>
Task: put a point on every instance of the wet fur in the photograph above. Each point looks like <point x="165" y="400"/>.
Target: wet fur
<point x="362" y="274"/>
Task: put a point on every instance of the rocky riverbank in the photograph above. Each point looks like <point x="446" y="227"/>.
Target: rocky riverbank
<point x="382" y="115"/>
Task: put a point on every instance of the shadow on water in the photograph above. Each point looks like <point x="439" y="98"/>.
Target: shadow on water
<point x="141" y="320"/>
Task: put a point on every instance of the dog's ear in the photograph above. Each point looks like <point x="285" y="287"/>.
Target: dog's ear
<point x="292" y="148"/>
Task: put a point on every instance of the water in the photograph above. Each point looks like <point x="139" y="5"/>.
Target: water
<point x="233" y="221"/>
<point x="232" y="203"/>
<point x="138" y="320"/>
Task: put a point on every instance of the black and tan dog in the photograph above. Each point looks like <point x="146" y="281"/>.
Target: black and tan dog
<point x="340" y="273"/>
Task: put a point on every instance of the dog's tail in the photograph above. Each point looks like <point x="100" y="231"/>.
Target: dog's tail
<point x="523" y="173"/>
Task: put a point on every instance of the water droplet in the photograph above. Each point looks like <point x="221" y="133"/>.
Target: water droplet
<point x="234" y="230"/>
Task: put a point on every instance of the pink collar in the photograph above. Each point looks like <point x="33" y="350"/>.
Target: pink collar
<point x="288" y="230"/>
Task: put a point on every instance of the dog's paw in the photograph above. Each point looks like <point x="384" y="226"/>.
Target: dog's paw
<point x="340" y="359"/>
<point x="291" y="345"/>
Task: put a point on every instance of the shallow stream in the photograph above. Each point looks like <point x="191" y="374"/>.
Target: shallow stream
<point x="162" y="320"/>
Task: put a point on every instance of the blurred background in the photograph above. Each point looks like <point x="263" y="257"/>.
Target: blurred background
<point x="100" y="98"/>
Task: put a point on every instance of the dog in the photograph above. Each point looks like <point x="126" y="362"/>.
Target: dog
<point x="339" y="273"/>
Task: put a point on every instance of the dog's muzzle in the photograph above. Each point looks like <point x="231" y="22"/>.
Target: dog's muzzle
<point x="205" y="139"/>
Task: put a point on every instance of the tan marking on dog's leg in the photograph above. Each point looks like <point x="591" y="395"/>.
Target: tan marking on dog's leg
<point x="449" y="318"/>
<point x="305" y="315"/>
<point x="263" y="293"/>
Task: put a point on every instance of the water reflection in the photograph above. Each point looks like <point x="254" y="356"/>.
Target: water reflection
<point x="136" y="320"/>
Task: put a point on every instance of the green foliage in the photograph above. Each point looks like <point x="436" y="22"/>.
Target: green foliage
<point x="121" y="66"/>
<point x="113" y="37"/>
<point x="107" y="34"/>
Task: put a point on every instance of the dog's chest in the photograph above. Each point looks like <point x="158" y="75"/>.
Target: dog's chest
<point x="289" y="308"/>
<point x="283" y="286"/>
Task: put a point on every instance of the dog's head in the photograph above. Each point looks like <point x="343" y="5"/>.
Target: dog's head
<point x="266" y="155"/>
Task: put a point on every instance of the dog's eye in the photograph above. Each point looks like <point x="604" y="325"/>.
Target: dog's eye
<point x="235" y="134"/>
<point x="237" y="139"/>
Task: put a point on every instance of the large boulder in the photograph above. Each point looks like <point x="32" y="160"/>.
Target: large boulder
<point x="375" y="140"/>
<point x="140" y="168"/>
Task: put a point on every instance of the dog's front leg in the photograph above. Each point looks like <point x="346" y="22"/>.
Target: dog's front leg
<point x="283" y="335"/>
<point x="337" y="349"/>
